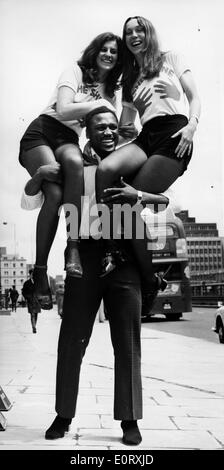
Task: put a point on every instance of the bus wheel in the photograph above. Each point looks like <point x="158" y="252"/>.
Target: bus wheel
<point x="173" y="316"/>
<point x="221" y="333"/>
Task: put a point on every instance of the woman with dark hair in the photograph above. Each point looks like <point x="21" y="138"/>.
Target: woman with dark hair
<point x="160" y="87"/>
<point x="51" y="146"/>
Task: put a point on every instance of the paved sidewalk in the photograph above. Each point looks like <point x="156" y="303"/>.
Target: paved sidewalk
<point x="183" y="389"/>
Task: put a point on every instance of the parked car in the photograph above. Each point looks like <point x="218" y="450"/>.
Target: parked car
<point x="219" y="323"/>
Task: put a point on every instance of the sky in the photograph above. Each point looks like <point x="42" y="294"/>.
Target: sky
<point x="38" y="39"/>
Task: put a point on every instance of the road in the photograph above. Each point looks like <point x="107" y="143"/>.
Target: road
<point x="196" y="324"/>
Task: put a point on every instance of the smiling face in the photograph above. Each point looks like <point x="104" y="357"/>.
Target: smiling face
<point x="135" y="36"/>
<point x="103" y="133"/>
<point x="107" y="58"/>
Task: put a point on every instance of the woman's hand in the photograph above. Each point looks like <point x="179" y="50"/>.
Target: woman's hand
<point x="128" y="130"/>
<point x="185" y="144"/>
<point x="121" y="195"/>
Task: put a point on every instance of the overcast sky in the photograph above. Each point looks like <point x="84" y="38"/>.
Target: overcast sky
<point x="38" y="39"/>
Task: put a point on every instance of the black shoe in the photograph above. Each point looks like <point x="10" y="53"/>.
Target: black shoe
<point x="131" y="433"/>
<point x="149" y="297"/>
<point x="58" y="428"/>
<point x="34" y="330"/>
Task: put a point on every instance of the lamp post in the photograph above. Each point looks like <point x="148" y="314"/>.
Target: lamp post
<point x="14" y="233"/>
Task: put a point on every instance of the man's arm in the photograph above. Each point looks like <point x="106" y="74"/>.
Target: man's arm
<point x="32" y="197"/>
<point x="128" y="194"/>
<point x="50" y="172"/>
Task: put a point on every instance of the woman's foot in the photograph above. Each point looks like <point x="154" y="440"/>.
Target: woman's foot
<point x="73" y="266"/>
<point x="42" y="288"/>
<point x="131" y="433"/>
<point x="149" y="295"/>
<point x="58" y="428"/>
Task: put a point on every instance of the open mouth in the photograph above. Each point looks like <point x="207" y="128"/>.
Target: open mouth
<point x="136" y="43"/>
<point x="107" y="60"/>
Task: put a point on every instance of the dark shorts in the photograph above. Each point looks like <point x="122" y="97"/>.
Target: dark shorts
<point x="46" y="130"/>
<point x="155" y="137"/>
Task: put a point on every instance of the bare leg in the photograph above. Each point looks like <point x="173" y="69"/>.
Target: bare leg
<point x="155" y="176"/>
<point x="70" y="158"/>
<point x="47" y="221"/>
<point x="123" y="162"/>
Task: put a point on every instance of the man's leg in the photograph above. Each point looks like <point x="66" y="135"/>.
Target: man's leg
<point x="123" y="304"/>
<point x="81" y="302"/>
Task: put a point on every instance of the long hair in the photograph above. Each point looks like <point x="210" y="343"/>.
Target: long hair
<point x="152" y="57"/>
<point x="87" y="63"/>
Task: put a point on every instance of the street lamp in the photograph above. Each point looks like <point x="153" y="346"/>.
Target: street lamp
<point x="14" y="233"/>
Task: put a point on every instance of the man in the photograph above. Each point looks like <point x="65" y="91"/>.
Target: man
<point x="32" y="302"/>
<point x="14" y="294"/>
<point x="121" y="293"/>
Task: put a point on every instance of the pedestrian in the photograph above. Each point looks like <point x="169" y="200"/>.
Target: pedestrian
<point x="33" y="305"/>
<point x="7" y="299"/>
<point x="159" y="86"/>
<point x="14" y="294"/>
<point x="120" y="291"/>
<point x="53" y="139"/>
<point x="59" y="298"/>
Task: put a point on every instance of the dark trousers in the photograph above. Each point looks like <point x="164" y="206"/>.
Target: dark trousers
<point x="33" y="318"/>
<point x="121" y="293"/>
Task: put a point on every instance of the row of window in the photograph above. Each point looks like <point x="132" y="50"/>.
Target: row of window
<point x="204" y="242"/>
<point x="14" y="265"/>
<point x="6" y="273"/>
<point x="14" y="281"/>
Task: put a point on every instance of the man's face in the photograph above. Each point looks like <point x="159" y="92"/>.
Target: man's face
<point x="103" y="133"/>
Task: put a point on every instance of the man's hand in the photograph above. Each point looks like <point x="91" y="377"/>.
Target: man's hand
<point x="51" y="172"/>
<point x="120" y="195"/>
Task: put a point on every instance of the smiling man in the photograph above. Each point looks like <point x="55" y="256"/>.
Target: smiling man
<point x="121" y="292"/>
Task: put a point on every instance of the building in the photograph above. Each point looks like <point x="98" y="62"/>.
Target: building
<point x="12" y="271"/>
<point x="205" y="250"/>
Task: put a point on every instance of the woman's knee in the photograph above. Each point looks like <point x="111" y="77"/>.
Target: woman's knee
<point x="53" y="193"/>
<point x="107" y="169"/>
<point x="71" y="159"/>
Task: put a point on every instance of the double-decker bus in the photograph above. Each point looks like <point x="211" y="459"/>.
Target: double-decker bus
<point x="170" y="258"/>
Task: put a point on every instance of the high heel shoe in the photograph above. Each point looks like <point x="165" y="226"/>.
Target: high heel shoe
<point x="73" y="266"/>
<point x="149" y="296"/>
<point x="42" y="293"/>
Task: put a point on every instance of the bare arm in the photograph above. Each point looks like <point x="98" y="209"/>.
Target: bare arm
<point x="187" y="132"/>
<point x="127" y="194"/>
<point x="50" y="172"/>
<point x="69" y="110"/>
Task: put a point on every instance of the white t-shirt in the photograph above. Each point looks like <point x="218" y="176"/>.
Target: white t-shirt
<point x="169" y="97"/>
<point x="72" y="77"/>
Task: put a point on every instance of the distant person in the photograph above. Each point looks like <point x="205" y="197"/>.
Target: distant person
<point x="59" y="298"/>
<point x="14" y="294"/>
<point x="7" y="299"/>
<point x="32" y="301"/>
